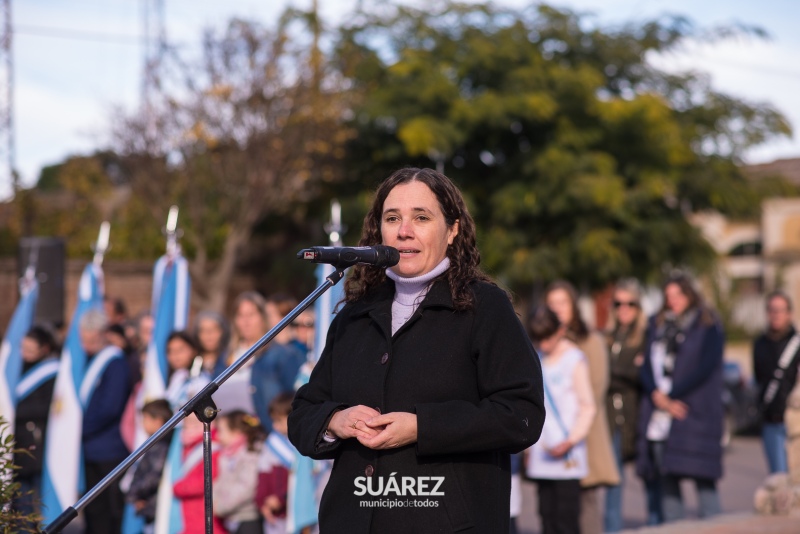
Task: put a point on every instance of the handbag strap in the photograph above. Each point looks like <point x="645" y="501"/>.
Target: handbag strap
<point x="554" y="410"/>
<point x="788" y="355"/>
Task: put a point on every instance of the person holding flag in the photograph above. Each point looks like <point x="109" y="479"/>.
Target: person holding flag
<point x="20" y="393"/>
<point x="11" y="349"/>
<point x="103" y="394"/>
<point x="34" y="392"/>
<point x="63" y="476"/>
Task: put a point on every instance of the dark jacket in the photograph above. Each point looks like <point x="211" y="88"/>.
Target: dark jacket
<point x="767" y="351"/>
<point x="30" y="427"/>
<point x="102" y="441"/>
<point x="624" y="388"/>
<point x="693" y="447"/>
<point x="147" y="477"/>
<point x="475" y="384"/>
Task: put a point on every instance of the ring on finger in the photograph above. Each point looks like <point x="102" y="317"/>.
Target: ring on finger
<point x="354" y="424"/>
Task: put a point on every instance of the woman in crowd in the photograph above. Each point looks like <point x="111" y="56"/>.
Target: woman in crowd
<point x="249" y="325"/>
<point x="625" y="342"/>
<point x="186" y="376"/>
<point x="562" y="298"/>
<point x="213" y="335"/>
<point x="34" y="393"/>
<point x="427" y="377"/>
<point x="681" y="416"/>
<point x="277" y="368"/>
<point x="558" y="460"/>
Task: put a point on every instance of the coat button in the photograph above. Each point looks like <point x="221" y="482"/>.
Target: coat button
<point x="369" y="470"/>
<point x="385" y="358"/>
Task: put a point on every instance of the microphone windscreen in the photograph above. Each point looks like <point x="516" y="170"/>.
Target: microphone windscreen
<point x="390" y="256"/>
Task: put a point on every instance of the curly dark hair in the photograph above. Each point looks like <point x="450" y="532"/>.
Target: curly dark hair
<point x="463" y="253"/>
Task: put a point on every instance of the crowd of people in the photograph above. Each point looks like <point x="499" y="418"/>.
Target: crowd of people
<point x="647" y="391"/>
<point x="427" y="374"/>
<point x="250" y="488"/>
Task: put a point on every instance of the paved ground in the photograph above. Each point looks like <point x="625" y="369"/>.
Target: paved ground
<point x="745" y="469"/>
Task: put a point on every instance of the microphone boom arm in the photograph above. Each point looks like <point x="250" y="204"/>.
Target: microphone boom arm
<point x="202" y="405"/>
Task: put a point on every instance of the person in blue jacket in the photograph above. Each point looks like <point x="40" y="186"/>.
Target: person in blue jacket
<point x="104" y="393"/>
<point x="681" y="415"/>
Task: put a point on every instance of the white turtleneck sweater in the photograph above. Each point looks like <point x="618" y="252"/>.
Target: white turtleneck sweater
<point x="409" y="292"/>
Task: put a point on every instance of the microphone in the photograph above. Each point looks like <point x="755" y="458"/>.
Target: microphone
<point x="378" y="255"/>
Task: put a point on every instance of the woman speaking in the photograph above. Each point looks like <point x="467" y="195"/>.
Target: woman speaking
<point x="427" y="381"/>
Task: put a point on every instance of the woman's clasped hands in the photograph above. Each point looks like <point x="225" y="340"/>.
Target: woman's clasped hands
<point x="373" y="429"/>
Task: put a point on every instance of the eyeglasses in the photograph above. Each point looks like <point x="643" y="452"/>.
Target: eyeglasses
<point x="628" y="303"/>
<point x="307" y="324"/>
<point x="771" y="309"/>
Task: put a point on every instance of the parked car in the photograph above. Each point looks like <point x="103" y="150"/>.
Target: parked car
<point x="740" y="397"/>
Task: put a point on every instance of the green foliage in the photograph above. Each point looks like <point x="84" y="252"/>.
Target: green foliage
<point x="11" y="520"/>
<point x="73" y="197"/>
<point x="583" y="159"/>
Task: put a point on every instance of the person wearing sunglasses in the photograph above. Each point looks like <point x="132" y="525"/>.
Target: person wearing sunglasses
<point x="625" y="341"/>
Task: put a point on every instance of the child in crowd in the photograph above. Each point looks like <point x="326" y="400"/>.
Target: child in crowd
<point x="188" y="489"/>
<point x="558" y="461"/>
<point x="143" y="490"/>
<point x="279" y="461"/>
<point x="241" y="436"/>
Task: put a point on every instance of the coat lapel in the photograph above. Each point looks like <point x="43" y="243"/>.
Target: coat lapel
<point x="378" y="305"/>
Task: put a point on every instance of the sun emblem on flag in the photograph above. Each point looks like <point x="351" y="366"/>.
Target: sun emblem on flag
<point x="58" y="404"/>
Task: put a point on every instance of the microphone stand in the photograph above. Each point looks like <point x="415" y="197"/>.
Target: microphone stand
<point x="202" y="405"/>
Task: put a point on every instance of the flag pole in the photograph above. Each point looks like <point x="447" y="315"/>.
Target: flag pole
<point x="30" y="271"/>
<point x="334" y="228"/>
<point x="101" y="245"/>
<point x="172" y="233"/>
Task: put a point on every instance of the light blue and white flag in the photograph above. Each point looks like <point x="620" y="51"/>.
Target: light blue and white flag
<point x="10" y="350"/>
<point x="62" y="476"/>
<point x="170" y="310"/>
<point x="323" y="308"/>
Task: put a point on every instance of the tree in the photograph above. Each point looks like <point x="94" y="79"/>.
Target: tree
<point x="73" y="197"/>
<point x="580" y="159"/>
<point x="249" y="130"/>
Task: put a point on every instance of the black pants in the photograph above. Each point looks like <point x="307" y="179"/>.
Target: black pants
<point x="560" y="506"/>
<point x="104" y="514"/>
<point x="250" y="527"/>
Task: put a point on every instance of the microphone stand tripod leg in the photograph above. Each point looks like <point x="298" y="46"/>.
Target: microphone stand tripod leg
<point x="206" y="411"/>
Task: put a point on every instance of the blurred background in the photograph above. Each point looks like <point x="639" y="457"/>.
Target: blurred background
<point x="593" y="139"/>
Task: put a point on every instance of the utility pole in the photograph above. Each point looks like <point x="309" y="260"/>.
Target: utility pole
<point x="7" y="148"/>
<point x="154" y="44"/>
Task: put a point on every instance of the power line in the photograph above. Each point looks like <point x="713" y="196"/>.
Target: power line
<point x="80" y="35"/>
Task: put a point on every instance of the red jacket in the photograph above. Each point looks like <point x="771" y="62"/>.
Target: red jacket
<point x="189" y="491"/>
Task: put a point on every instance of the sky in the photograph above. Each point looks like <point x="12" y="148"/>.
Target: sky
<point x="76" y="61"/>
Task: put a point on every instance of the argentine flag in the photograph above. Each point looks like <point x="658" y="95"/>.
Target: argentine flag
<point x="170" y="310"/>
<point x="62" y="476"/>
<point x="324" y="306"/>
<point x="10" y="350"/>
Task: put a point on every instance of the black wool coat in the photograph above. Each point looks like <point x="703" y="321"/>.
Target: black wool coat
<point x="475" y="384"/>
